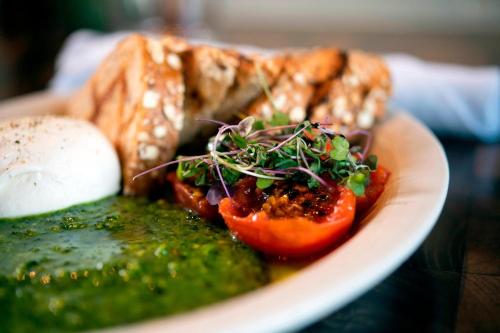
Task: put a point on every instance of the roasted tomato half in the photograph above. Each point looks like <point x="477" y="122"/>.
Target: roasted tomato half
<point x="373" y="191"/>
<point x="287" y="219"/>
<point x="290" y="220"/>
<point x="192" y="197"/>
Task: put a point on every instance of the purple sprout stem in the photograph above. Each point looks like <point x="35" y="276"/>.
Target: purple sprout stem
<point x="266" y="130"/>
<point x="184" y="159"/>
<point x="287" y="140"/>
<point x="275" y="172"/>
<point x="303" y="158"/>
<point x="317" y="151"/>
<point x="326" y="131"/>
<point x="357" y="132"/>
<point x="164" y="165"/>
<point x="213" y="121"/>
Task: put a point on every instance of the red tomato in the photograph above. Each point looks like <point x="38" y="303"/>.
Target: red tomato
<point x="373" y="191"/>
<point x="293" y="236"/>
<point x="192" y="198"/>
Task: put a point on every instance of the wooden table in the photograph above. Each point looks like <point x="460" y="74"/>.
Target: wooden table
<point x="452" y="283"/>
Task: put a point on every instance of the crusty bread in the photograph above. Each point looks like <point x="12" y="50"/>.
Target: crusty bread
<point x="148" y="93"/>
<point x="220" y="83"/>
<point x="356" y="98"/>
<point x="136" y="98"/>
<point x="293" y="90"/>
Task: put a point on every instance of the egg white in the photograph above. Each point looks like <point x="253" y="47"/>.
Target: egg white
<point x="49" y="163"/>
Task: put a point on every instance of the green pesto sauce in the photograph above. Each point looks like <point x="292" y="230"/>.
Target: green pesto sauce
<point x="116" y="261"/>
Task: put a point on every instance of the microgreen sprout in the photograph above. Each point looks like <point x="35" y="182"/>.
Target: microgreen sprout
<point x="306" y="153"/>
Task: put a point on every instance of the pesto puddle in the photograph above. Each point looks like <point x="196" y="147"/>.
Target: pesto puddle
<point x="116" y="261"/>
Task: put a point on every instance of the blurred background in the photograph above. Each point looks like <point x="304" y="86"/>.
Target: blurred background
<point x="455" y="31"/>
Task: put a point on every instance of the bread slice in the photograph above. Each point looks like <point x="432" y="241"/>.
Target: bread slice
<point x="294" y="89"/>
<point x="247" y="85"/>
<point x="357" y="97"/>
<point x="136" y="97"/>
<point x="220" y="83"/>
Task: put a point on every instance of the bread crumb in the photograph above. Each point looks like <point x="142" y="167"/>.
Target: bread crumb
<point x="370" y="105"/>
<point x="148" y="152"/>
<point x="279" y="102"/>
<point x="174" y="61"/>
<point x="160" y="132"/>
<point x="150" y="99"/>
<point x="297" y="114"/>
<point x="171" y="113"/>
<point x="365" y="120"/>
<point x="347" y="118"/>
<point x="266" y="111"/>
<point x="300" y="78"/>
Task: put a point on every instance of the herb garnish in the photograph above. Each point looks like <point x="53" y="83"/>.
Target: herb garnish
<point x="307" y="153"/>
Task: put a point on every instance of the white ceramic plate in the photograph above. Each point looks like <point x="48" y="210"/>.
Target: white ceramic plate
<point x="403" y="217"/>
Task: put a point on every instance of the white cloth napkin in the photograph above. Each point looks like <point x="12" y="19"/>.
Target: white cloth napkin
<point x="452" y="100"/>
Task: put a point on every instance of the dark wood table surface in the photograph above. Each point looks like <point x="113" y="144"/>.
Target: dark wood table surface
<point x="452" y="282"/>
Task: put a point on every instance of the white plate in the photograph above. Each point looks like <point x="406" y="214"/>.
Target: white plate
<point x="403" y="217"/>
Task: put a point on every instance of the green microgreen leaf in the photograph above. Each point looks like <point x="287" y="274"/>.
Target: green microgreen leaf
<point x="340" y="148"/>
<point x="312" y="183"/>
<point x="357" y="182"/>
<point x="191" y="172"/>
<point x="289" y="150"/>
<point x="230" y="175"/>
<point x="264" y="183"/>
<point x="279" y="119"/>
<point x="258" y="125"/>
<point x="286" y="163"/>
<point x="240" y="141"/>
<point x="316" y="166"/>
<point x="180" y="171"/>
<point x="201" y="180"/>
<point x="188" y="170"/>
<point x="262" y="157"/>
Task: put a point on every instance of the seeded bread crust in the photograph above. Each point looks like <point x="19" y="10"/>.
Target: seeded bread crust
<point x="136" y="98"/>
<point x="355" y="99"/>
<point x="149" y="92"/>
<point x="294" y="89"/>
<point x="220" y="84"/>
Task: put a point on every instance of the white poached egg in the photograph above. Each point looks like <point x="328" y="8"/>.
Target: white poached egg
<point x="49" y="163"/>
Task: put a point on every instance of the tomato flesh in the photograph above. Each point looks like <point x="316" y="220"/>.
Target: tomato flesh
<point x="291" y="236"/>
<point x="192" y="197"/>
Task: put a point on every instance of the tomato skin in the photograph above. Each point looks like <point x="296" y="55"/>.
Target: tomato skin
<point x="192" y="198"/>
<point x="373" y="191"/>
<point x="291" y="237"/>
